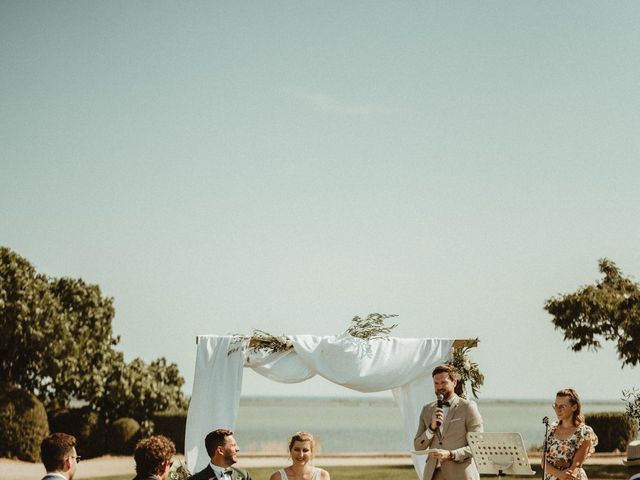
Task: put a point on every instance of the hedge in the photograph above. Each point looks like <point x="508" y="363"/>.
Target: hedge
<point x="23" y="424"/>
<point x="614" y="430"/>
<point x="172" y="425"/>
<point x="85" y="425"/>
<point x="122" y="436"/>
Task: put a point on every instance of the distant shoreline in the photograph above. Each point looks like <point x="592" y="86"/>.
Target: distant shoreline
<point x="534" y="401"/>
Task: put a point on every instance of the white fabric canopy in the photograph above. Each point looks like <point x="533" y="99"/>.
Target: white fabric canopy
<point x="402" y="365"/>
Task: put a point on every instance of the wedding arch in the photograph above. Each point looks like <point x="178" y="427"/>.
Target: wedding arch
<point x="402" y="365"/>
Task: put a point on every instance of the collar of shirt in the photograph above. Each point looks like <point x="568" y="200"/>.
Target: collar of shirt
<point x="219" y="471"/>
<point x="56" y="474"/>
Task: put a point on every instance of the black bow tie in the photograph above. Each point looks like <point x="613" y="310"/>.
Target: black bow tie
<point x="446" y="404"/>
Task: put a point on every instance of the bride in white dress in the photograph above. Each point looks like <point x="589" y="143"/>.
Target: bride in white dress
<point x="301" y="448"/>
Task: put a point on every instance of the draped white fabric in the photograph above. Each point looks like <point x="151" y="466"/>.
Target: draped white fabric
<point x="402" y="365"/>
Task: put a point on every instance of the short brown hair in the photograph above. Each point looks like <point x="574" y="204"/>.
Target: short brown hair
<point x="54" y="449"/>
<point x="446" y="368"/>
<point x="216" y="439"/>
<point x="152" y="453"/>
<point x="302" y="437"/>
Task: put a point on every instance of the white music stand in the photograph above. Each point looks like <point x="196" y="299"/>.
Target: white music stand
<point x="499" y="453"/>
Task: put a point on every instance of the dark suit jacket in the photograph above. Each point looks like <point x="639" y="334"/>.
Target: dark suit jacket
<point x="207" y="473"/>
<point x="463" y="417"/>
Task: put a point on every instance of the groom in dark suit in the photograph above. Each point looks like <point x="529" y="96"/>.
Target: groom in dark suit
<point x="223" y="452"/>
<point x="59" y="456"/>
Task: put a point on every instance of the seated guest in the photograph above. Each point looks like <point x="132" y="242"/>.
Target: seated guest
<point x="633" y="460"/>
<point x="301" y="447"/>
<point x="153" y="458"/>
<point x="569" y="440"/>
<point x="223" y="452"/>
<point x="59" y="456"/>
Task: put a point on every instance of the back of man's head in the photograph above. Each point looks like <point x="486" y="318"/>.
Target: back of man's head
<point x="153" y="454"/>
<point x="54" y="449"/>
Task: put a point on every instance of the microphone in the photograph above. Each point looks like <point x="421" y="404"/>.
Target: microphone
<point x="440" y="398"/>
<point x="545" y="420"/>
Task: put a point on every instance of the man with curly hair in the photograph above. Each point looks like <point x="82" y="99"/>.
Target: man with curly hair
<point x="153" y="458"/>
<point x="59" y="456"/>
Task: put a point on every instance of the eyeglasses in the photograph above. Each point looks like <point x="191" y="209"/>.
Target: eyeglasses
<point x="555" y="406"/>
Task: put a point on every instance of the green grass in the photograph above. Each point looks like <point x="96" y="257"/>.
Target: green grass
<point x="406" y="472"/>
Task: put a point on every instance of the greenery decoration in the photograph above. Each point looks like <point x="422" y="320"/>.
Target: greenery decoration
<point x="372" y="327"/>
<point x="179" y="471"/>
<point x="632" y="399"/>
<point x="468" y="371"/>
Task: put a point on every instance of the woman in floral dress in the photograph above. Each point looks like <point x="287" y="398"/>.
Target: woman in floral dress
<point x="569" y="441"/>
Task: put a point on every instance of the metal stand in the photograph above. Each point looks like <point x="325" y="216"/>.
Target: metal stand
<point x="499" y="453"/>
<point x="543" y="461"/>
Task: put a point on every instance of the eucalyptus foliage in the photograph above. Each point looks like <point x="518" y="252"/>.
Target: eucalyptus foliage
<point x="372" y="327"/>
<point x="608" y="310"/>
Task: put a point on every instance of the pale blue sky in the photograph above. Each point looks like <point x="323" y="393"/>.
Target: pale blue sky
<point x="223" y="166"/>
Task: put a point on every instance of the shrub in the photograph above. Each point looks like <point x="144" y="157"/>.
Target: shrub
<point x="172" y="425"/>
<point x="614" y="430"/>
<point x="122" y="436"/>
<point x="23" y="424"/>
<point x="85" y="425"/>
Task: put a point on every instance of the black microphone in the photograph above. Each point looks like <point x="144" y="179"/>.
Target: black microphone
<point x="545" y="420"/>
<point x="440" y="405"/>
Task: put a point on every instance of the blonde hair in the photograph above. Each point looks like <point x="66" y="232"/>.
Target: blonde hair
<point x="574" y="399"/>
<point x="302" y="437"/>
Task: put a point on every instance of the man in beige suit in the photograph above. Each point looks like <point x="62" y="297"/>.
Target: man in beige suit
<point x="444" y="429"/>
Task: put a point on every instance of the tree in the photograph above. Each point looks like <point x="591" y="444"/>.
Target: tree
<point x="57" y="342"/>
<point x="608" y="310"/>
<point x="27" y="317"/>
<point x="139" y="390"/>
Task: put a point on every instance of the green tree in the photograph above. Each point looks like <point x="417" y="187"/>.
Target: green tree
<point x="139" y="390"/>
<point x="29" y="314"/>
<point x="608" y="310"/>
<point x="58" y="343"/>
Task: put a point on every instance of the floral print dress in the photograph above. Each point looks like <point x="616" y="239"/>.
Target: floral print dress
<point x="560" y="452"/>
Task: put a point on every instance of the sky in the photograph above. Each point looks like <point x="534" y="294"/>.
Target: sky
<point x="219" y="167"/>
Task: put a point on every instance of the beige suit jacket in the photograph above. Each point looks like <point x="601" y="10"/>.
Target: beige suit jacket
<point x="463" y="417"/>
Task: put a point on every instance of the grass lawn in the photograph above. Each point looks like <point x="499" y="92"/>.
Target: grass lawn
<point x="594" y="472"/>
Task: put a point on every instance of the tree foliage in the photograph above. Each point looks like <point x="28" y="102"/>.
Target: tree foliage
<point x="138" y="389"/>
<point x="608" y="310"/>
<point x="58" y="343"/>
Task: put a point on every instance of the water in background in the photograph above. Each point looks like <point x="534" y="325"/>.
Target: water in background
<point x="348" y="425"/>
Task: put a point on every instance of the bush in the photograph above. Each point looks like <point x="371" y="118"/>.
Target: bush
<point x="85" y="425"/>
<point x="173" y="426"/>
<point x="23" y="424"/>
<point x="614" y="430"/>
<point x="122" y="436"/>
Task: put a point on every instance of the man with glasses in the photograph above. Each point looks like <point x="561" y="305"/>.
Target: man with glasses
<point x="59" y="456"/>
<point x="153" y="458"/>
